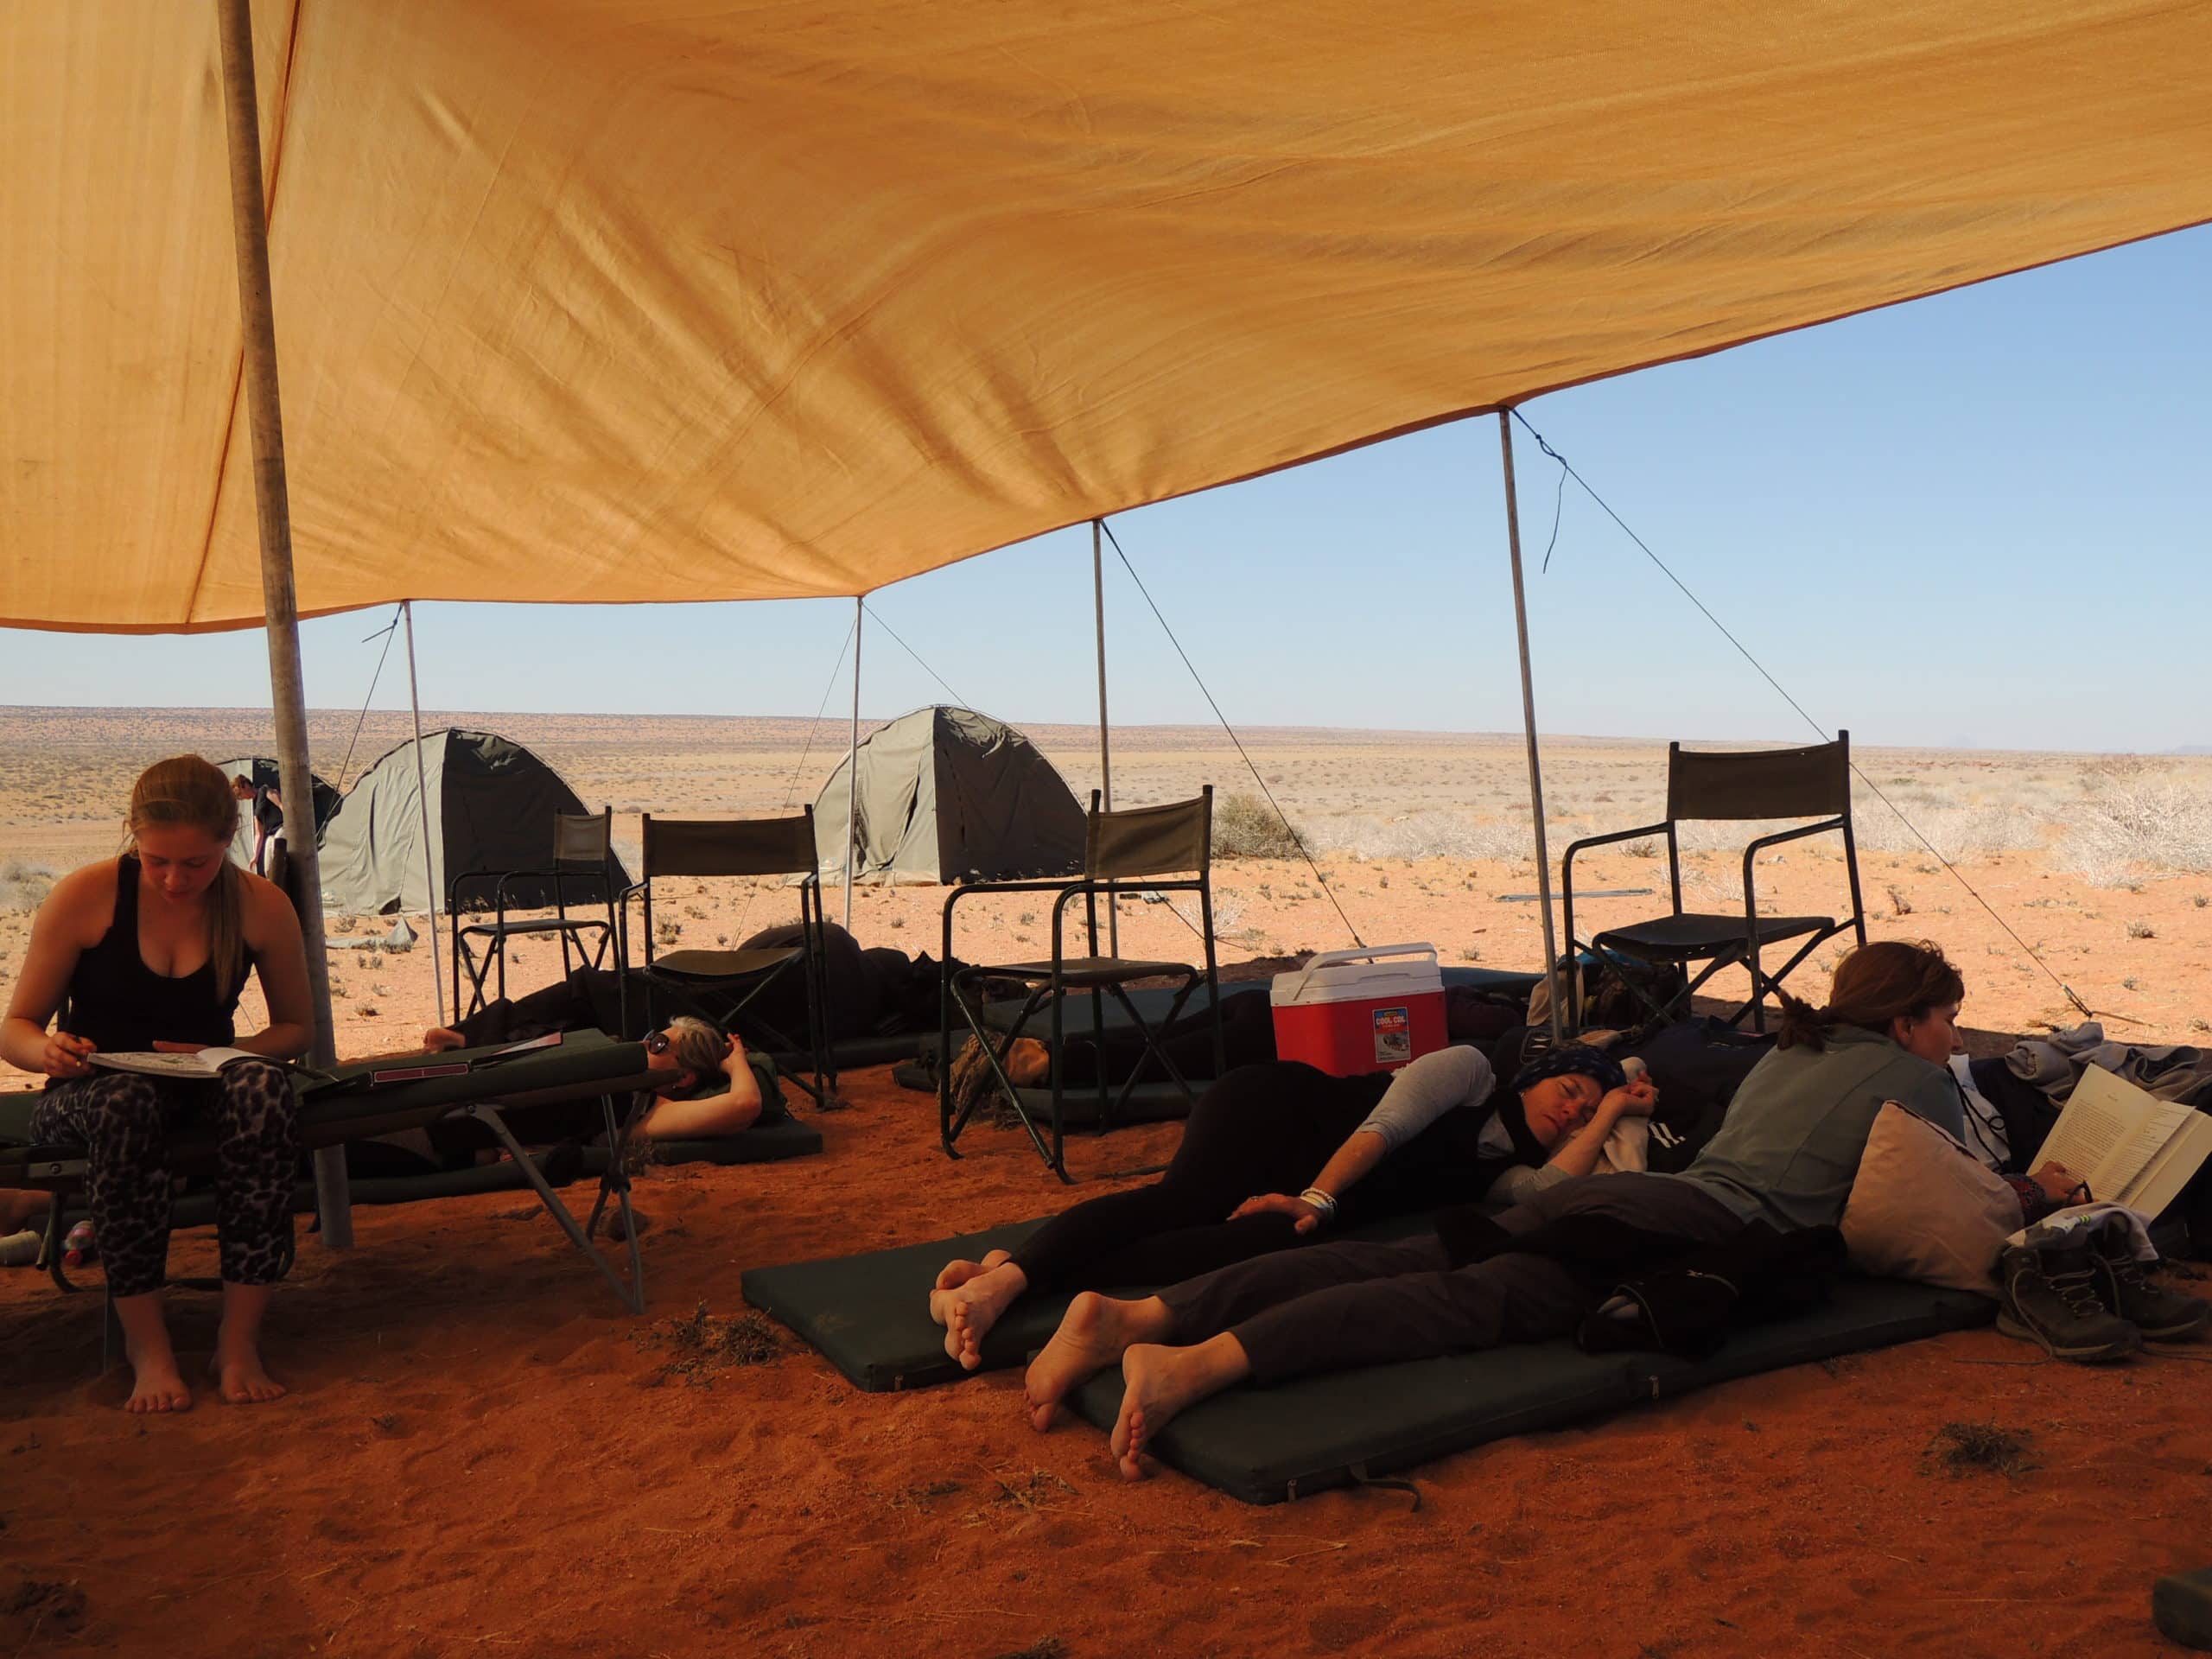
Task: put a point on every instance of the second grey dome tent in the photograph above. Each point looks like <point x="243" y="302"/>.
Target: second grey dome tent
<point x="946" y="794"/>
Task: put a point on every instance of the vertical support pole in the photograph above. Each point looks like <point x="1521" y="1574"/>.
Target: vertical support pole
<point x="1528" y="722"/>
<point x="853" y="768"/>
<point x="280" y="604"/>
<point x="422" y="799"/>
<point x="1105" y="756"/>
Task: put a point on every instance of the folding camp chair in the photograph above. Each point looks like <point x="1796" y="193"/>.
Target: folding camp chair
<point x="1123" y="852"/>
<point x="1733" y="786"/>
<point x="723" y="985"/>
<point x="583" y="855"/>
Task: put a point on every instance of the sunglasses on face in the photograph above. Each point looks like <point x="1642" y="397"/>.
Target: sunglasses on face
<point x="656" y="1042"/>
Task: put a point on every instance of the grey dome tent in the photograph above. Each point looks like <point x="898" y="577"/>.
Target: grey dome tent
<point x="946" y="793"/>
<point x="491" y="807"/>
<point x="260" y="770"/>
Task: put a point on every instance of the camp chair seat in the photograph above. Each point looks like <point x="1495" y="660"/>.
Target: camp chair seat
<point x="723" y="965"/>
<point x="1698" y="934"/>
<point x="1083" y="972"/>
<point x="1123" y="852"/>
<point x="729" y="986"/>
<point x="583" y="851"/>
<point x="341" y="1105"/>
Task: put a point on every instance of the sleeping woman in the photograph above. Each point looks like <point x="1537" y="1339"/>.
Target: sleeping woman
<point x="1353" y="1149"/>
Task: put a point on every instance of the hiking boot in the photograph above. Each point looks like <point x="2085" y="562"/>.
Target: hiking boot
<point x="2160" y="1315"/>
<point x="2049" y="1298"/>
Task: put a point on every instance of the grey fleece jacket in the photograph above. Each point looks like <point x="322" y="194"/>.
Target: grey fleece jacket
<point x="1796" y="1131"/>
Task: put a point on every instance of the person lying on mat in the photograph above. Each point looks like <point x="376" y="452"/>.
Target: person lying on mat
<point x="710" y="1086"/>
<point x="1786" y="1155"/>
<point x="150" y="950"/>
<point x="1438" y="1131"/>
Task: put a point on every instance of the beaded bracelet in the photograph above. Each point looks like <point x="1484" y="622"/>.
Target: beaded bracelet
<point x="1321" y="1201"/>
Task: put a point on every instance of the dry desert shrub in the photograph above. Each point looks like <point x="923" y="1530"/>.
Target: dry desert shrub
<point x="2137" y="817"/>
<point x="23" y="887"/>
<point x="1246" y="826"/>
<point x="1431" y="834"/>
<point x="1957" y="833"/>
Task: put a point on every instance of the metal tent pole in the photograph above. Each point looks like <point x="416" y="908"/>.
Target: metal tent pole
<point x="1528" y="720"/>
<point x="280" y="604"/>
<point x="853" y="769"/>
<point x="1105" y="756"/>
<point x="422" y="799"/>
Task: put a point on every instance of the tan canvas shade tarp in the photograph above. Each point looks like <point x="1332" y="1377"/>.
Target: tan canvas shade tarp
<point x="644" y="300"/>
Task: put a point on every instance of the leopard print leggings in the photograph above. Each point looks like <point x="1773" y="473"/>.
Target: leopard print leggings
<point x="122" y="1121"/>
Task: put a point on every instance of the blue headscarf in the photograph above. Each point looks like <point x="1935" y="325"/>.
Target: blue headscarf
<point x="1569" y="1059"/>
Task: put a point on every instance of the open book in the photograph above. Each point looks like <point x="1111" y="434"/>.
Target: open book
<point x="2129" y="1146"/>
<point x="207" y="1063"/>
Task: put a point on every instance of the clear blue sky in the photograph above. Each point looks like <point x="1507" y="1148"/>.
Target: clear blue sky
<point x="1979" y="518"/>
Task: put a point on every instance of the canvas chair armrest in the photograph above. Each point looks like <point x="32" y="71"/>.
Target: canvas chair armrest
<point x="1566" y="870"/>
<point x="1752" y="851"/>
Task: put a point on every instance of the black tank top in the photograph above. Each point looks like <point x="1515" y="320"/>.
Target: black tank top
<point x="120" y="1004"/>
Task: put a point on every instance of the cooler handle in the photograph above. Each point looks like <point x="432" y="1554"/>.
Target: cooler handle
<point x="1330" y="958"/>
<point x="1365" y="953"/>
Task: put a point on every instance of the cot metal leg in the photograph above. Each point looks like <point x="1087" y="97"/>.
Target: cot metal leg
<point x="633" y="1293"/>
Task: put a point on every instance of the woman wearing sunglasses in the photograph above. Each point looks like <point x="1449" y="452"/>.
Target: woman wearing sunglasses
<point x="711" y="1087"/>
<point x="707" y="1084"/>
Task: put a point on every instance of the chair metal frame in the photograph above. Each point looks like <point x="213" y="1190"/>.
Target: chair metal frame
<point x="583" y="850"/>
<point x="692" y="853"/>
<point x="1748" y="786"/>
<point x="1050" y="981"/>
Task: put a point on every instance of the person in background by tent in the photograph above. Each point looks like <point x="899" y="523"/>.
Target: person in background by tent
<point x="268" y="816"/>
<point x="1438" y="1131"/>
<point x="152" y="951"/>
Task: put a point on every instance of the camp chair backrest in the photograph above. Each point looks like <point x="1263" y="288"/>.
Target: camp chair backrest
<point x="585" y="839"/>
<point x="730" y="845"/>
<point x="1150" y="840"/>
<point x="1811" y="783"/>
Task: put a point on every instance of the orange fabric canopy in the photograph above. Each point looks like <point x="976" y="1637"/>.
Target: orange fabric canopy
<point x="592" y="300"/>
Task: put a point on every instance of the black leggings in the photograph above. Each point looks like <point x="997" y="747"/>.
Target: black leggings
<point x="123" y="1120"/>
<point x="1262" y="1128"/>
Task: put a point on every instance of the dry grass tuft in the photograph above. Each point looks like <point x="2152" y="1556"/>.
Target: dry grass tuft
<point x="1245" y="826"/>
<point x="703" y="1344"/>
<point x="1980" y="1448"/>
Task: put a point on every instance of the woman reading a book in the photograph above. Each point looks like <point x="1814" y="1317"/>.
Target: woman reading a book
<point x="149" y="951"/>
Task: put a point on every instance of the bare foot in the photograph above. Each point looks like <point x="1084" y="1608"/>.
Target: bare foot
<point x="438" y="1038"/>
<point x="240" y="1379"/>
<point x="1092" y="1337"/>
<point x="1157" y="1383"/>
<point x="956" y="1273"/>
<point x="156" y="1385"/>
<point x="971" y="1310"/>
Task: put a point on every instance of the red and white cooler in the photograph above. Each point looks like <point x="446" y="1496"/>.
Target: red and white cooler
<point x="1351" y="1012"/>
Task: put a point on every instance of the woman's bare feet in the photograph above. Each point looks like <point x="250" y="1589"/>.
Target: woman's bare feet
<point x="1092" y="1335"/>
<point x="438" y="1038"/>
<point x="1158" y="1383"/>
<point x="237" y="1365"/>
<point x="971" y="1309"/>
<point x="156" y="1385"/>
<point x="240" y="1377"/>
<point x="956" y="1273"/>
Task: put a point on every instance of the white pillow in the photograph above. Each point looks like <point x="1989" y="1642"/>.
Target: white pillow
<point x="1925" y="1208"/>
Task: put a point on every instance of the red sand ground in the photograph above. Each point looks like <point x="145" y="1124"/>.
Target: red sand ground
<point x="481" y="1454"/>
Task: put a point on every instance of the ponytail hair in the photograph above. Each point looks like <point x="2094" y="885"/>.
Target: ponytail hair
<point x="1876" y="984"/>
<point x="186" y="790"/>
